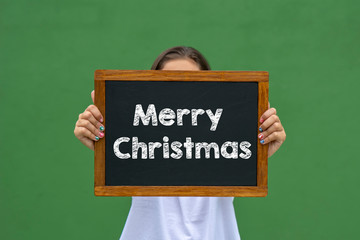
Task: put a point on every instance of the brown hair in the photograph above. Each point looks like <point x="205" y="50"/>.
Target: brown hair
<point x="180" y="52"/>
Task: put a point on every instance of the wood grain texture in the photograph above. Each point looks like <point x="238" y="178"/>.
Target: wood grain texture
<point x="262" y="154"/>
<point x="99" y="152"/>
<point x="156" y="75"/>
<point x="199" y="191"/>
<point x="261" y="190"/>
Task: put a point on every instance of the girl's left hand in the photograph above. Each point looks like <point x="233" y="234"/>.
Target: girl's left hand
<point x="271" y="131"/>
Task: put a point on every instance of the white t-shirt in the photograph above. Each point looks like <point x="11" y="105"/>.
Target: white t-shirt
<point x="181" y="218"/>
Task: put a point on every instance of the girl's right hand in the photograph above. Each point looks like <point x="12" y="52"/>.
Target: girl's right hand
<point x="89" y="127"/>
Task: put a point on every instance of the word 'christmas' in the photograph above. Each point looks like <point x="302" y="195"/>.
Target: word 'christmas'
<point x="178" y="152"/>
<point x="176" y="149"/>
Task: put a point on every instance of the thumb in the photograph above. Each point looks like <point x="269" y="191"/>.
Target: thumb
<point x="93" y="96"/>
<point x="269" y="105"/>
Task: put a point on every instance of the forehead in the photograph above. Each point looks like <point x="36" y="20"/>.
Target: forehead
<point x="181" y="65"/>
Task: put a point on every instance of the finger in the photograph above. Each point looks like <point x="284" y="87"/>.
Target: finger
<point x="84" y="140"/>
<point x="87" y="124"/>
<point x="88" y="116"/>
<point x="93" y="96"/>
<point x="268" y="122"/>
<point x="276" y="127"/>
<point x="267" y="114"/>
<point x="81" y="132"/>
<point x="275" y="136"/>
<point x="88" y="143"/>
<point x="95" y="112"/>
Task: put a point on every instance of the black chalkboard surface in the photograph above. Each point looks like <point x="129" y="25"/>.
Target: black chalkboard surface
<point x="181" y="133"/>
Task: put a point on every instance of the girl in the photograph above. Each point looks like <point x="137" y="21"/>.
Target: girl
<point x="163" y="218"/>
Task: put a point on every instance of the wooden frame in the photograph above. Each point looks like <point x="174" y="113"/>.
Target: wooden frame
<point x="262" y="78"/>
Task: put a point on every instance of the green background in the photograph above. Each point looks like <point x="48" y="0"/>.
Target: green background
<point x="50" y="49"/>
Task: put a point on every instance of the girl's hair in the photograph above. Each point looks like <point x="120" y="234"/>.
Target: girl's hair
<point x="180" y="52"/>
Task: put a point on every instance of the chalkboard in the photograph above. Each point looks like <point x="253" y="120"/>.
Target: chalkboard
<point x="181" y="133"/>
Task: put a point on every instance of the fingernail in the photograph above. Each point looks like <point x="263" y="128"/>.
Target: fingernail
<point x="260" y="136"/>
<point x="262" y="141"/>
<point x="260" y="129"/>
<point x="101" y="119"/>
<point x="97" y="138"/>
<point x="261" y="120"/>
<point x="101" y="128"/>
<point x="101" y="134"/>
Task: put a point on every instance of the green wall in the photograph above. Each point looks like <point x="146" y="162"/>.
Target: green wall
<point x="48" y="53"/>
